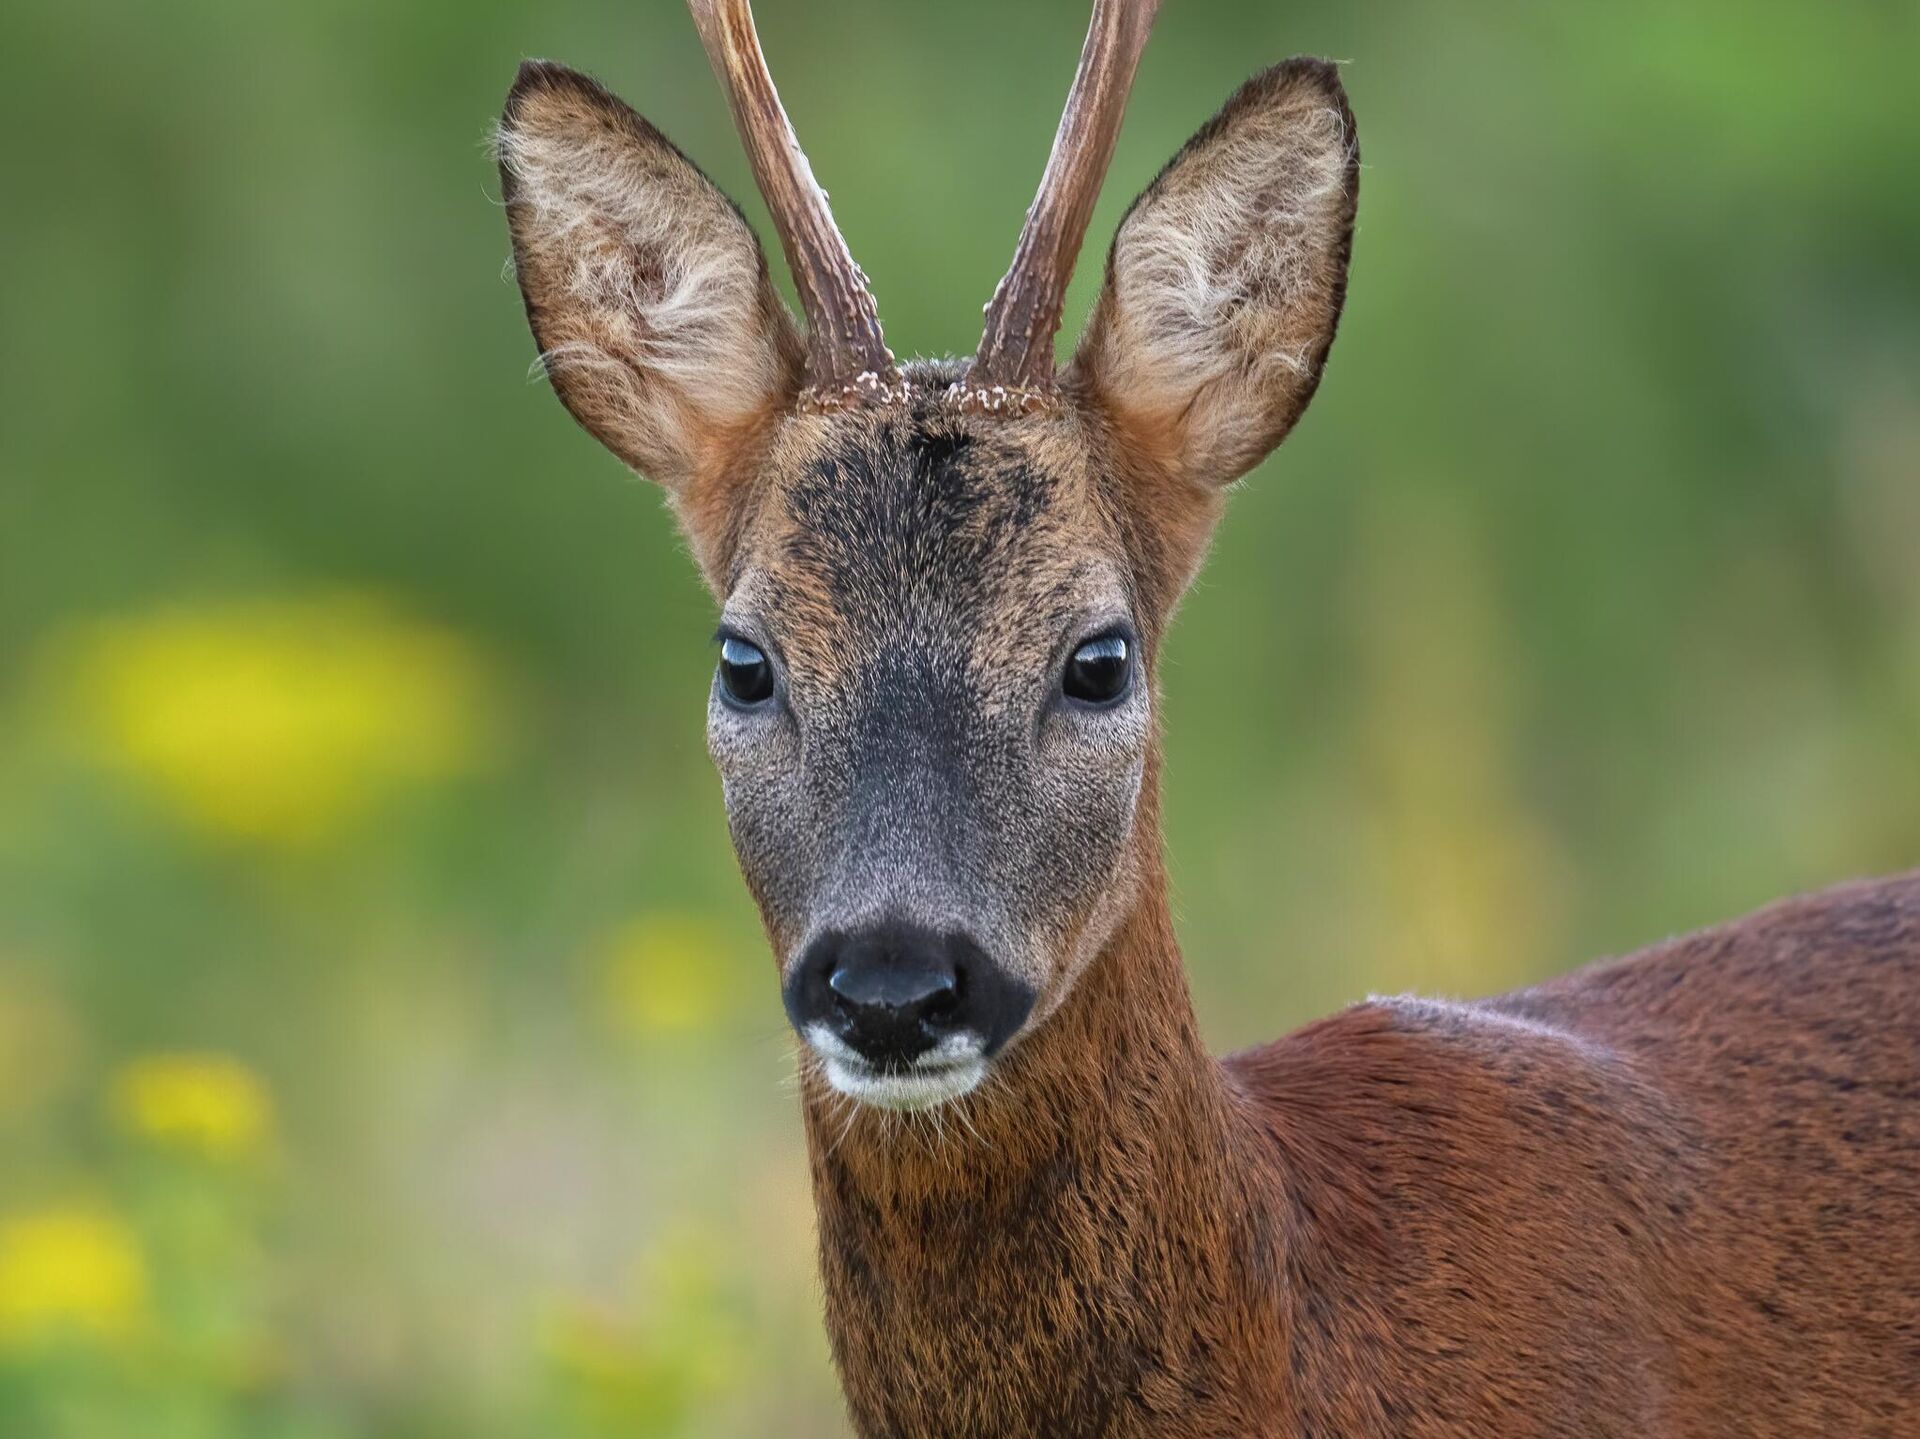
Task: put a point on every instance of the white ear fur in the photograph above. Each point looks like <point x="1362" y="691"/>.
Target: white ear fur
<point x="1226" y="279"/>
<point x="646" y="290"/>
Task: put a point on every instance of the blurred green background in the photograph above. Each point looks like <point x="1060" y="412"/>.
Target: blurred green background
<point x="386" y="1043"/>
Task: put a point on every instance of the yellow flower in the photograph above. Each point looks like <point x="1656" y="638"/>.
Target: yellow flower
<point x="208" y="1104"/>
<point x="666" y="973"/>
<point x="68" y="1270"/>
<point x="277" y="722"/>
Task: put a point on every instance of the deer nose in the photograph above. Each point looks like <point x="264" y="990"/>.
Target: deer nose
<point x="890" y="993"/>
<point x="892" y="1014"/>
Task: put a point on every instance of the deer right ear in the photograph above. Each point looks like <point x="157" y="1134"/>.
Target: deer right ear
<point x="645" y="288"/>
<point x="1226" y="278"/>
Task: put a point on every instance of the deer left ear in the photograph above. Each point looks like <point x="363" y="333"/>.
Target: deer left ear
<point x="1226" y="278"/>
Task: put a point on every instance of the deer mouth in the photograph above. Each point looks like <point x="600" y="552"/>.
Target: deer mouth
<point x="951" y="1069"/>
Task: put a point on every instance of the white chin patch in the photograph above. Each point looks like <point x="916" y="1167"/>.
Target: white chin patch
<point x="914" y="1089"/>
<point x="939" y="1076"/>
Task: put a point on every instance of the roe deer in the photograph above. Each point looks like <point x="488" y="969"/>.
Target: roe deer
<point x="1676" y="1195"/>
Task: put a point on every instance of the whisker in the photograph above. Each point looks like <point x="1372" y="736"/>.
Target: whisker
<point x="960" y="1112"/>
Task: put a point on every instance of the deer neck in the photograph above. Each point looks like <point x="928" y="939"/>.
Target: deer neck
<point x="1063" y="1242"/>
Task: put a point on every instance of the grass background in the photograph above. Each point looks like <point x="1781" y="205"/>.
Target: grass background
<point x="386" y="1044"/>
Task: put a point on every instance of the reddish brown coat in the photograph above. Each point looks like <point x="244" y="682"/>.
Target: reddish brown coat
<point x="1672" y="1195"/>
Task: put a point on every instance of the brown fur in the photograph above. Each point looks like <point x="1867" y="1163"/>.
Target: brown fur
<point x="1671" y="1197"/>
<point x="1675" y="1197"/>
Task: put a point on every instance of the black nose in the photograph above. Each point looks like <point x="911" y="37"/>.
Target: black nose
<point x="891" y="992"/>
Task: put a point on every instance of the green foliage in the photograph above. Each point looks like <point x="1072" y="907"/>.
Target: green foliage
<point x="386" y="1046"/>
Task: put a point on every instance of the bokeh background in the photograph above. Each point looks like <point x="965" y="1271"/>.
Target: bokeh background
<point x="386" y="1043"/>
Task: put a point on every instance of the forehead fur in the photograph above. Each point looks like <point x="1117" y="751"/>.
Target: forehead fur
<point x="875" y="521"/>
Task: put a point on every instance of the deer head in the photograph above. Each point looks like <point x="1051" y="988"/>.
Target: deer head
<point x="943" y="586"/>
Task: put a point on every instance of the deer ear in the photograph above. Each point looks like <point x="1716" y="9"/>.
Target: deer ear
<point x="1226" y="278"/>
<point x="645" y="288"/>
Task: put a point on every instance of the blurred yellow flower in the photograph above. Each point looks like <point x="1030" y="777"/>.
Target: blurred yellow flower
<point x="666" y="973"/>
<point x="279" y="721"/>
<point x="68" y="1270"/>
<point x="208" y="1104"/>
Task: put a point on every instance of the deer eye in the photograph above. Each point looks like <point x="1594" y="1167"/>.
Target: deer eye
<point x="1100" y="671"/>
<point x="746" y="674"/>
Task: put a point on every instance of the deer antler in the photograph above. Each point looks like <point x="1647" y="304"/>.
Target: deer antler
<point x="1014" y="366"/>
<point x="847" y="358"/>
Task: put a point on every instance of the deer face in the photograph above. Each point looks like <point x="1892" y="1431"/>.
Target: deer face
<point x="942" y="587"/>
<point x="931" y="717"/>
